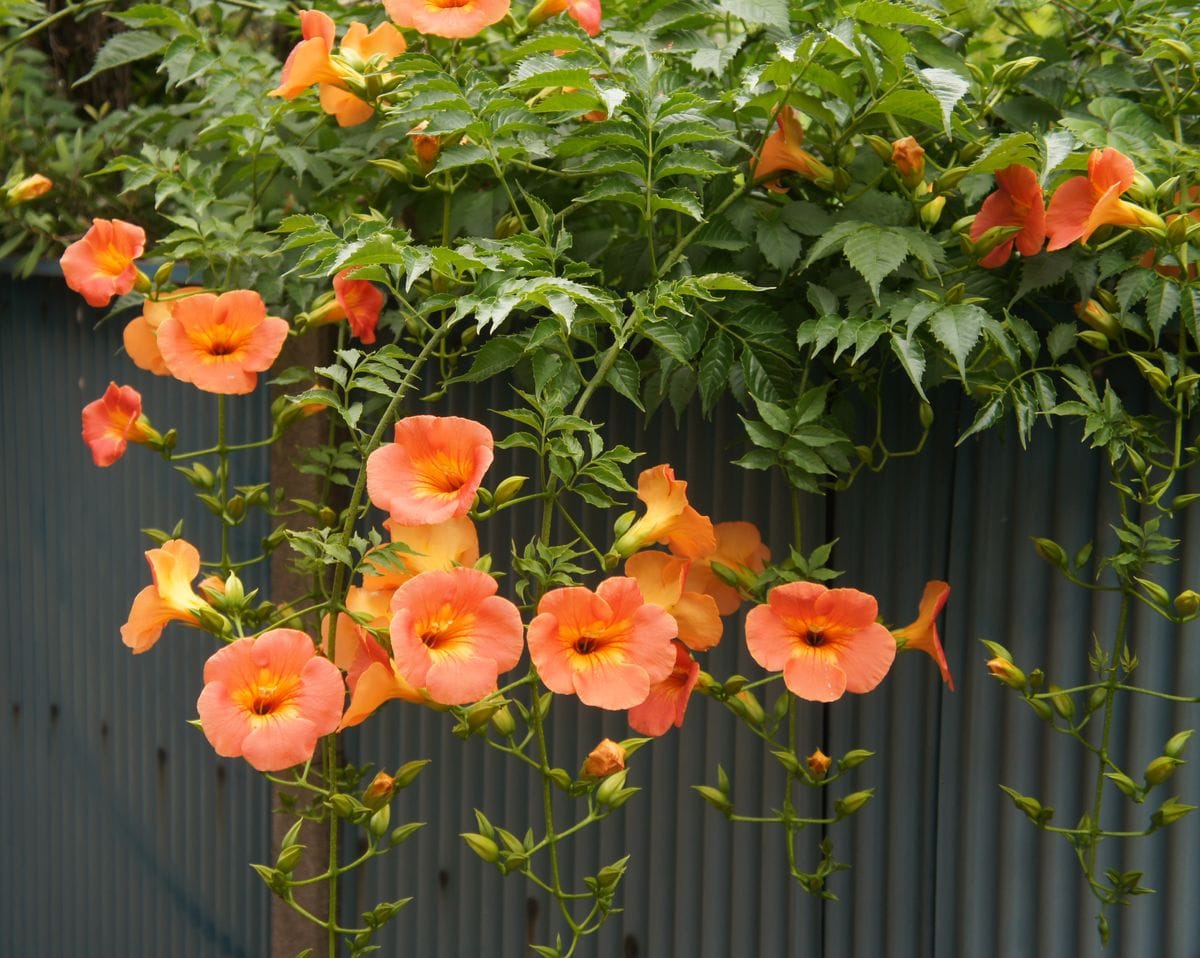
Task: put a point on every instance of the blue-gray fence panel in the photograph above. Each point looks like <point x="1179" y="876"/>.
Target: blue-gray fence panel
<point x="122" y="833"/>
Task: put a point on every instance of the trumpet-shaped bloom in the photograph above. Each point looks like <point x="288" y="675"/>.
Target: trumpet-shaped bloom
<point x="311" y="62"/>
<point x="1017" y="201"/>
<point x="361" y="302"/>
<point x="101" y="264"/>
<point x="432" y="471"/>
<point x="452" y="634"/>
<point x="661" y="580"/>
<point x="669" y="518"/>
<point x="783" y="153"/>
<point x="270" y="699"/>
<point x="826" y="641"/>
<point x="608" y="647"/>
<point x="447" y="18"/>
<point x="739" y="548"/>
<point x="439" y="547"/>
<point x="112" y="422"/>
<point x="586" y="13"/>
<point x="221" y="343"/>
<point x="141" y="333"/>
<point x="1083" y="204"/>
<point x="370" y="672"/>
<point x="173" y="566"/>
<point x="923" y="634"/>
<point x="667" y="702"/>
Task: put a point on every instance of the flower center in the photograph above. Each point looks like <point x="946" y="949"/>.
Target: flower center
<point x="815" y="638"/>
<point x="437" y="631"/>
<point x="586" y="644"/>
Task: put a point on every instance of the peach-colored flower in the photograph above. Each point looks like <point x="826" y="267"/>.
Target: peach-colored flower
<point x="432" y="471"/>
<point x="361" y="301"/>
<point x="447" y="18"/>
<point x="311" y="62"/>
<point x="908" y="156"/>
<point x="221" y="343"/>
<point x="923" y="634"/>
<point x="452" y="635"/>
<point x="608" y="647"/>
<point x="141" y="333"/>
<point x="660" y="577"/>
<point x="113" y="421"/>
<point x="826" y="641"/>
<point x="370" y="673"/>
<point x="1083" y="204"/>
<point x="173" y="566"/>
<point x="438" y="547"/>
<point x="101" y="264"/>
<point x="270" y="699"/>
<point x="669" y="518"/>
<point x="667" y="702"/>
<point x="1017" y="201"/>
<point x="30" y="188"/>
<point x="586" y="13"/>
<point x="605" y="759"/>
<point x="739" y="548"/>
<point x="782" y="153"/>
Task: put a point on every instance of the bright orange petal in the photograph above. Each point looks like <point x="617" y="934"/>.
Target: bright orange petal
<point x="447" y="18"/>
<point x="1070" y="207"/>
<point x="344" y="107"/>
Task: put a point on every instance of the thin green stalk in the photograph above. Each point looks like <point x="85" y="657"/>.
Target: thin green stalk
<point x="223" y="465"/>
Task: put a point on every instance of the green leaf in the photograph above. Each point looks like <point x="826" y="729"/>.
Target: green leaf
<point x="912" y="360"/>
<point x="874" y="253"/>
<point x="1017" y="148"/>
<point x="958" y="328"/>
<point x="778" y="244"/>
<point x="1060" y="340"/>
<point x="886" y="14"/>
<point x="771" y="13"/>
<point x="913" y="105"/>
<point x="124" y="48"/>
<point x="680" y="201"/>
<point x="715" y="363"/>
<point x="947" y="87"/>
<point x="1161" y="304"/>
<point x="626" y="378"/>
<point x="494" y="356"/>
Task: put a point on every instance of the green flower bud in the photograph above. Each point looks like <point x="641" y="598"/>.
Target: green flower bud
<point x="1177" y="743"/>
<point x="1159" y="770"/>
<point x="482" y="846"/>
<point x="847" y="806"/>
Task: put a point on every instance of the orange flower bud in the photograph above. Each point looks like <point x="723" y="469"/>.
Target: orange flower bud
<point x="908" y="156"/>
<point x="380" y="791"/>
<point x="818" y="764"/>
<point x="1007" y="673"/>
<point x="605" y="759"/>
<point x="28" y="189"/>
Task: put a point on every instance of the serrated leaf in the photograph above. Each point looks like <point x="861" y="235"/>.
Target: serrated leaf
<point x="947" y="87"/>
<point x="1161" y="304"/>
<point x="874" y="253"/>
<point x="771" y="13"/>
<point x="912" y="360"/>
<point x="886" y="14"/>
<point x="958" y="328"/>
<point x="778" y="244"/>
<point x="626" y="378"/>
<point x="1017" y="148"/>
<point x="913" y="105"/>
<point x="494" y="356"/>
<point x="715" y="363"/>
<point x="1060" y="340"/>
<point x="123" y="48"/>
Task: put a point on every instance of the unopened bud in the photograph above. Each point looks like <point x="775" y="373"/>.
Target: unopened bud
<point x="1099" y="318"/>
<point x="482" y="846"/>
<point x="28" y="189"/>
<point x="931" y="212"/>
<point x="380" y="821"/>
<point x="480" y="714"/>
<point x="288" y="859"/>
<point x="235" y="508"/>
<point x="1015" y="70"/>
<point x="1007" y="673"/>
<point x="1094" y="338"/>
<point x="344" y="806"/>
<point x="950" y="178"/>
<point x="751" y="709"/>
<point x="882" y="148"/>
<point x="818" y="764"/>
<point x="1063" y="704"/>
<point x="406" y="774"/>
<point x="508" y="489"/>
<point x="609" y="788"/>
<point x="1177" y="743"/>
<point x="854" y="758"/>
<point x="503" y="722"/>
<point x="908" y="156"/>
<point x="845" y="807"/>
<point x="1162" y="768"/>
<point x="1142" y="190"/>
<point x="1170" y="811"/>
<point x="1051" y="551"/>
<point x="380" y="791"/>
<point x="605" y="759"/>
<point x="235" y="592"/>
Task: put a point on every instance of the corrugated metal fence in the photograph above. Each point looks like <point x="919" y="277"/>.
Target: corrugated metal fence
<point x="123" y="835"/>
